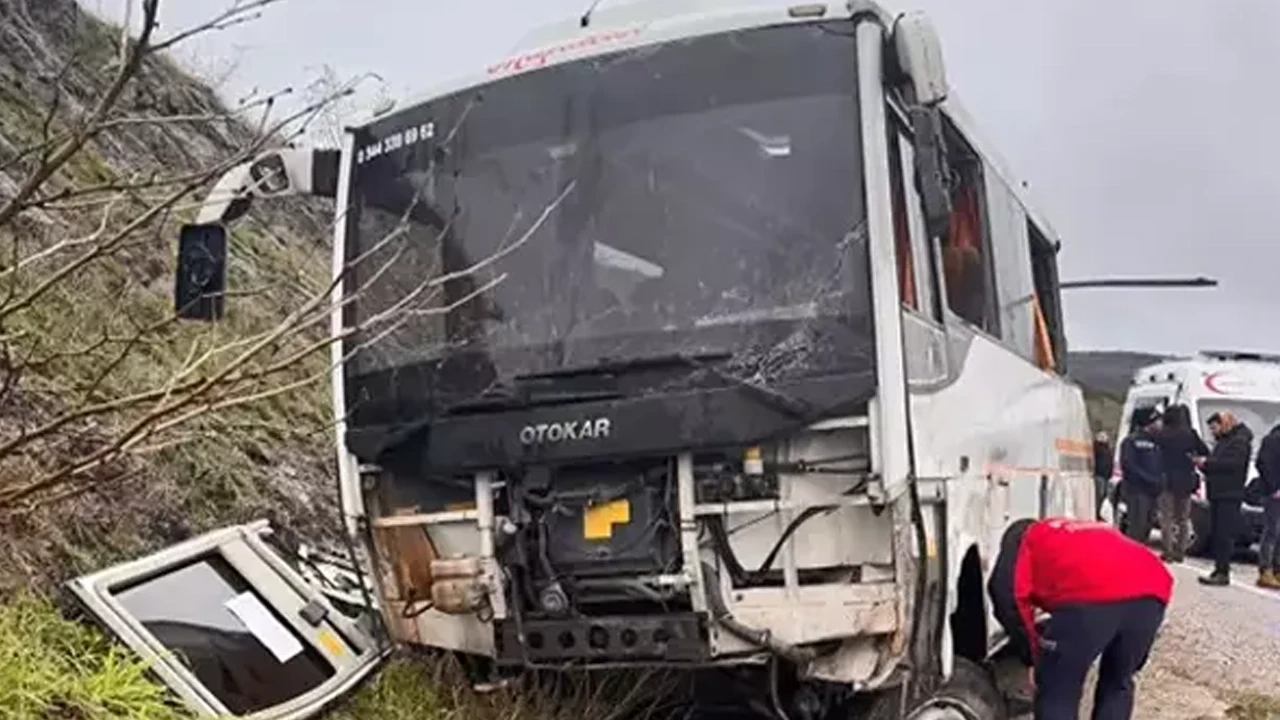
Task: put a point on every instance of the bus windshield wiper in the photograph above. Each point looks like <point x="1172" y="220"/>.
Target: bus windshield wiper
<point x="787" y="404"/>
<point x="612" y="365"/>
<point x="512" y="400"/>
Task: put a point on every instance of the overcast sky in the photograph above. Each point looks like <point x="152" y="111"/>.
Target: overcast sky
<point x="1146" y="129"/>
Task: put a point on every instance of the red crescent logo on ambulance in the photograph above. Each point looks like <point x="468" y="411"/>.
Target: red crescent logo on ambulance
<point x="1211" y="382"/>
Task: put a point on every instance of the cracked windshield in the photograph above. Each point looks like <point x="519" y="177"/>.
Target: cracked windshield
<point x="638" y="360"/>
<point x="647" y="203"/>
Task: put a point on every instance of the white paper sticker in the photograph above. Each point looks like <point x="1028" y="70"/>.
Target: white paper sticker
<point x="265" y="627"/>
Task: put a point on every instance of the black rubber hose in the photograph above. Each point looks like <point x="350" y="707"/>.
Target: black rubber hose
<point x="760" y="638"/>
<point x="795" y="524"/>
<point x="381" y="632"/>
<point x="720" y="542"/>
<point x="788" y="532"/>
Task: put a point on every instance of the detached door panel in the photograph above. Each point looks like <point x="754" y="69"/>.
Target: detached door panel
<point x="231" y="627"/>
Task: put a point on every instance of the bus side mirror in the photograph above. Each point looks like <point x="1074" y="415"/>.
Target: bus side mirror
<point x="201" y="279"/>
<point x="918" y="52"/>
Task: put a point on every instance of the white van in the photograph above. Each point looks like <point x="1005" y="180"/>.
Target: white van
<point x="1246" y="384"/>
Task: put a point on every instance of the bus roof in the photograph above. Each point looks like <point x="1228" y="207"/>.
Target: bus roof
<point x="623" y="25"/>
<point x="619" y="25"/>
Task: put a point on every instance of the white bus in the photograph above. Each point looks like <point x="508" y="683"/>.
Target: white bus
<point x="754" y="348"/>
<point x="1244" y="383"/>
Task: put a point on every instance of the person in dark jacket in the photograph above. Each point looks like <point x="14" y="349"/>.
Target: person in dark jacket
<point x="1110" y="608"/>
<point x="1103" y="465"/>
<point x="1224" y="474"/>
<point x="1142" y="473"/>
<point x="1268" y="464"/>
<point x="1179" y="443"/>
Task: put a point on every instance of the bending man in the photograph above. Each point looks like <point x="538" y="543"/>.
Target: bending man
<point x="1106" y="595"/>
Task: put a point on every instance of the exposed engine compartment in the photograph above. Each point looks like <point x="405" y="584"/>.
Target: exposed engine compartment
<point x="721" y="554"/>
<point x="593" y="555"/>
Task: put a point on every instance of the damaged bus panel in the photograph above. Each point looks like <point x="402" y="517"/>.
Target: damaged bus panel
<point x="233" y="628"/>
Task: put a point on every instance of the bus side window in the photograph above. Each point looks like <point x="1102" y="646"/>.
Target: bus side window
<point x="916" y="283"/>
<point x="964" y="258"/>
<point x="1051" y="338"/>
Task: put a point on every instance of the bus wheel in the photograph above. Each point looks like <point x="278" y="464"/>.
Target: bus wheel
<point x="970" y="694"/>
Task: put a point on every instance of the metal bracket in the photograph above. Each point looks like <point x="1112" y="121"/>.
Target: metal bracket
<point x="314" y="613"/>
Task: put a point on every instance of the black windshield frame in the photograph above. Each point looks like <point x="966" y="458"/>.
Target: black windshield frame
<point x="811" y="67"/>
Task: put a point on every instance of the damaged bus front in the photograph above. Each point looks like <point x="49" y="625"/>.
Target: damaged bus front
<point x="619" y="350"/>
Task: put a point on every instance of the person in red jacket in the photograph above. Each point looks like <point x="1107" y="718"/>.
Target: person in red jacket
<point x="1106" y="595"/>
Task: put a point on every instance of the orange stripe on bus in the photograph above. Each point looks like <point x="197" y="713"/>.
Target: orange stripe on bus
<point x="1079" y="448"/>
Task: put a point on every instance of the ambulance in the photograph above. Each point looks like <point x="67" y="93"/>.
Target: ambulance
<point x="1246" y="384"/>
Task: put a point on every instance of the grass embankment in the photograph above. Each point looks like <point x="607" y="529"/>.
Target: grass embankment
<point x="53" y="668"/>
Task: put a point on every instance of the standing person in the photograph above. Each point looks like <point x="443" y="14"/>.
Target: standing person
<point x="1224" y="473"/>
<point x="1268" y="464"/>
<point x="1142" y="473"/>
<point x="1179" y="443"/>
<point x="1103" y="465"/>
<point x="1107" y="597"/>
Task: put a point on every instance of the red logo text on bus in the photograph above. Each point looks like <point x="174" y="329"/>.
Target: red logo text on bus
<point x="541" y="58"/>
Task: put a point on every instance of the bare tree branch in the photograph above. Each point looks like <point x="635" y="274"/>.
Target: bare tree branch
<point x="240" y="12"/>
<point x="100" y="400"/>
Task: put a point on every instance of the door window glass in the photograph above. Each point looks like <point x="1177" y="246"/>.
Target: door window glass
<point x="239" y="648"/>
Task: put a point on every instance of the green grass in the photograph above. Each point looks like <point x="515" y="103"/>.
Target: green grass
<point x="1252" y="706"/>
<point x="403" y="690"/>
<point x="422" y="689"/>
<point x="51" y="667"/>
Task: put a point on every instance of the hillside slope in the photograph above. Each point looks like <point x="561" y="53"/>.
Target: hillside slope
<point x="1105" y="377"/>
<point x="1108" y="371"/>
<point x="87" y="319"/>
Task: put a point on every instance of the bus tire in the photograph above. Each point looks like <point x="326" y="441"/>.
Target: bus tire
<point x="971" y="691"/>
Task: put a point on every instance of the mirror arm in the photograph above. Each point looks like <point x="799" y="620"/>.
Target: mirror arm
<point x="1199" y="282"/>
<point x="228" y="200"/>
<point x="306" y="171"/>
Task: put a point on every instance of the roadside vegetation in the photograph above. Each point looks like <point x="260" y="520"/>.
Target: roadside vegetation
<point x="52" y="667"/>
<point x="1104" y="411"/>
<point x="1255" y="707"/>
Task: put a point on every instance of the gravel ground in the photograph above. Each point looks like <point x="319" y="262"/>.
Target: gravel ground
<point x="1218" y="645"/>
